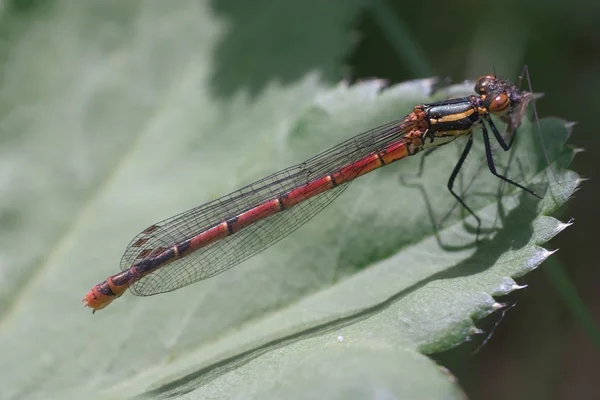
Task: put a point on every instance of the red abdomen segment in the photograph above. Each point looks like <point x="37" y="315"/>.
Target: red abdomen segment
<point x="104" y="293"/>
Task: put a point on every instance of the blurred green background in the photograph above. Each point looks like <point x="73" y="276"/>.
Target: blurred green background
<point x="539" y="350"/>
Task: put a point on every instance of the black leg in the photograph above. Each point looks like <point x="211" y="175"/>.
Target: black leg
<point x="422" y="163"/>
<point x="490" y="159"/>
<point x="421" y="166"/>
<point x="525" y="74"/>
<point x="505" y="146"/>
<point x="453" y="176"/>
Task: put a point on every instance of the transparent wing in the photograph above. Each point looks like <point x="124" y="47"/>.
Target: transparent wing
<point x="231" y="250"/>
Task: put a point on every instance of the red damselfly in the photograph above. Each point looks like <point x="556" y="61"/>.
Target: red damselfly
<point x="209" y="239"/>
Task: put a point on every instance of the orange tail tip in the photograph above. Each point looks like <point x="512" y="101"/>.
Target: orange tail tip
<point x="105" y="293"/>
<point x="95" y="300"/>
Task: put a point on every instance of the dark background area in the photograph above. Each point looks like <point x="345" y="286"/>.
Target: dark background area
<point x="539" y="350"/>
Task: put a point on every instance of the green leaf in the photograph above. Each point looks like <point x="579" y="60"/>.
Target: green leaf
<point x="110" y="128"/>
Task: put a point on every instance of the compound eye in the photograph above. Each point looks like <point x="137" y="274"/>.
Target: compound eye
<point x="483" y="84"/>
<point x="500" y="104"/>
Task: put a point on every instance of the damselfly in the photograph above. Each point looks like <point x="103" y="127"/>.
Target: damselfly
<point x="209" y="239"/>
